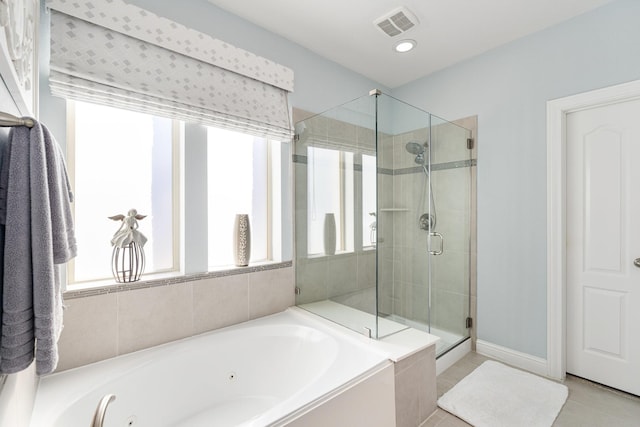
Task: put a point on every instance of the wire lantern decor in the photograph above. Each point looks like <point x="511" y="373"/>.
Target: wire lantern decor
<point x="127" y="258"/>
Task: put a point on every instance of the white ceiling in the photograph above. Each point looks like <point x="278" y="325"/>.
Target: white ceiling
<point x="448" y="32"/>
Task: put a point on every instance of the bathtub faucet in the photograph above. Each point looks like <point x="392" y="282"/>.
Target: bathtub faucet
<point x="98" y="416"/>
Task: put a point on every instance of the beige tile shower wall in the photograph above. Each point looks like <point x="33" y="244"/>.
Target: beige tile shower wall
<point x="387" y="298"/>
<point x="104" y="326"/>
<point x="341" y="277"/>
<point x="402" y="158"/>
<point x="409" y="247"/>
<point x="410" y="260"/>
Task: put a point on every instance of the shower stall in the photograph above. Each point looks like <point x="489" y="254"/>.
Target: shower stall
<point x="384" y="214"/>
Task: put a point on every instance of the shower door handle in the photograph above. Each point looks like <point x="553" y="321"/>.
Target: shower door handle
<point x="438" y="252"/>
<point x="636" y="262"/>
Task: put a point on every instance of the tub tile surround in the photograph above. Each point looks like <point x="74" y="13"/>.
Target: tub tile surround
<point x="90" y="331"/>
<point x="230" y="296"/>
<point x="415" y="384"/>
<point x="270" y="291"/>
<point x="153" y="316"/>
<point x="103" y="326"/>
<point x="355" y="405"/>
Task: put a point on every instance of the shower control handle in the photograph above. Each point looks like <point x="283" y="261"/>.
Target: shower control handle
<point x="438" y="252"/>
<point x="636" y="262"/>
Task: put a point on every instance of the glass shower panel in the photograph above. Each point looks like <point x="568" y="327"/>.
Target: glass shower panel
<point x="382" y="219"/>
<point x="450" y="172"/>
<point x="335" y="214"/>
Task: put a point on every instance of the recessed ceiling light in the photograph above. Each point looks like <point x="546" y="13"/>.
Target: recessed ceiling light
<point x="405" y="45"/>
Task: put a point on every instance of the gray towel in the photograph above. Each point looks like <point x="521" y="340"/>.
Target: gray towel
<point x="38" y="235"/>
<point x="4" y="179"/>
<point x="14" y="345"/>
<point x="17" y="328"/>
<point x="60" y="196"/>
<point x="18" y="276"/>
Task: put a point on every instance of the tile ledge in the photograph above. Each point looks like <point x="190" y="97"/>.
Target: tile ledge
<point x="103" y="287"/>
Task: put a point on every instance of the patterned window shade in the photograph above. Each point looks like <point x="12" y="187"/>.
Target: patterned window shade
<point x="117" y="54"/>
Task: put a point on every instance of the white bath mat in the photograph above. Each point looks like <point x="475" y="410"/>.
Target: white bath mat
<point x="496" y="395"/>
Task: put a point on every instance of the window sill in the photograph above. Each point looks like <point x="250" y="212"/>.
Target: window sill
<point x="163" y="279"/>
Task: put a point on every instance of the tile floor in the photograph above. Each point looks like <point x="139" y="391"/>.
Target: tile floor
<point x="588" y="405"/>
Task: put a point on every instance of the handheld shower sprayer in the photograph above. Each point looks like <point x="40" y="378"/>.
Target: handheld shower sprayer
<point x="416" y="149"/>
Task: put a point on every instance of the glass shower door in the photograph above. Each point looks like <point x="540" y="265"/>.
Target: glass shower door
<point x="449" y="237"/>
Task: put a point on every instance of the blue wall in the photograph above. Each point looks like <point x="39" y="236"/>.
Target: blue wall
<point x="508" y="88"/>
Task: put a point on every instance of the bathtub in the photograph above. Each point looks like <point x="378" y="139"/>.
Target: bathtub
<point x="290" y="368"/>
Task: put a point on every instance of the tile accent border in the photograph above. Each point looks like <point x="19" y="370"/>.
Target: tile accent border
<point x="437" y="167"/>
<point x="124" y="287"/>
<point x="303" y="160"/>
<point x="297" y="158"/>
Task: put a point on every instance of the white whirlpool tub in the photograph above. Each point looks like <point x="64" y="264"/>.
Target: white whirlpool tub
<point x="290" y="368"/>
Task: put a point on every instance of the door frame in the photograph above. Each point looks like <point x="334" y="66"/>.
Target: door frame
<point x="557" y="111"/>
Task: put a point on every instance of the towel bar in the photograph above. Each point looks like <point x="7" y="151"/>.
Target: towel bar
<point x="7" y="119"/>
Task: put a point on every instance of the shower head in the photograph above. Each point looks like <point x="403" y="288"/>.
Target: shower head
<point x="414" y="148"/>
<point x="301" y="132"/>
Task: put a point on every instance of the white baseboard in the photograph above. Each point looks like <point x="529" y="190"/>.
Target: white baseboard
<point x="514" y="358"/>
<point x="447" y="360"/>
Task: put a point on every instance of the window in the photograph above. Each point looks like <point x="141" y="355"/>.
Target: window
<point x="369" y="220"/>
<point x="330" y="191"/>
<point x="119" y="160"/>
<point x="243" y="177"/>
<point x="339" y="186"/>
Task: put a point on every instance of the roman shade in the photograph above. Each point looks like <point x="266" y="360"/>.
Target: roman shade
<point x="117" y="54"/>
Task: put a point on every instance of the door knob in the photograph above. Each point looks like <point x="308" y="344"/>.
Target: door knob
<point x="636" y="262"/>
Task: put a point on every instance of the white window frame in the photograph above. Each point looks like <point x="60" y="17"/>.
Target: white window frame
<point x="273" y="233"/>
<point x="176" y="142"/>
<point x="346" y="240"/>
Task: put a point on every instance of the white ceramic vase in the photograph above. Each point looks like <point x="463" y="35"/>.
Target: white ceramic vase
<point x="329" y="234"/>
<point x="241" y="240"/>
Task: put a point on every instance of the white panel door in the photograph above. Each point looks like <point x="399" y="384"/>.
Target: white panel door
<point x="603" y="241"/>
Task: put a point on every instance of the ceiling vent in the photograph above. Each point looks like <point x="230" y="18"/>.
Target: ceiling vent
<point x="396" y="22"/>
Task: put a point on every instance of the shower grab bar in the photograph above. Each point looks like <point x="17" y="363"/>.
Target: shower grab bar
<point x="101" y="410"/>
<point x="439" y="252"/>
